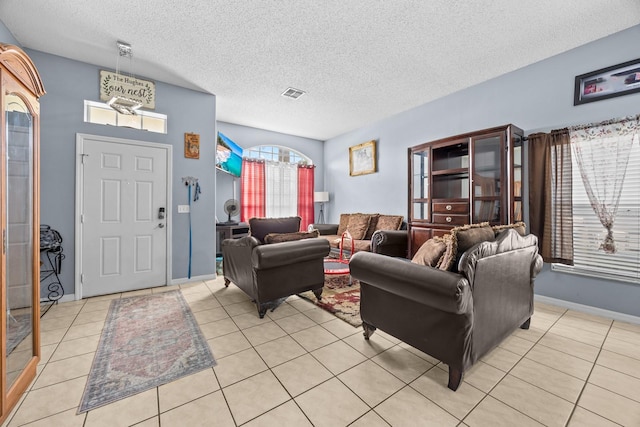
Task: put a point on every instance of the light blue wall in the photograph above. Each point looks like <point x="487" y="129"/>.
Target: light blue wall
<point x="68" y="83"/>
<point x="248" y="137"/>
<point x="537" y="97"/>
<point x="6" y="36"/>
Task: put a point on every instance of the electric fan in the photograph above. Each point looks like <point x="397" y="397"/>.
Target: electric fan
<point x="232" y="208"/>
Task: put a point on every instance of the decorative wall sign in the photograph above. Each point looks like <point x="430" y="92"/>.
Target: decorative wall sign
<point x="112" y="84"/>
<point x="362" y="158"/>
<point x="191" y="145"/>
<point x="617" y="80"/>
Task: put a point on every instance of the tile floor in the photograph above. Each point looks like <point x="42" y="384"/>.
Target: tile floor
<point x="300" y="366"/>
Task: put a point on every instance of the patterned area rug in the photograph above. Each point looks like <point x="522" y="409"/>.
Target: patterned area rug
<point x="147" y="341"/>
<point x="340" y="298"/>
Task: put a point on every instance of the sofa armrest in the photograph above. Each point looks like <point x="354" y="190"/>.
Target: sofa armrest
<point x="442" y="290"/>
<point x="390" y="243"/>
<point x="287" y="253"/>
<point x="325" y="229"/>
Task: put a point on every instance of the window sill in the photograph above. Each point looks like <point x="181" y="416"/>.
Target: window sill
<point x="594" y="273"/>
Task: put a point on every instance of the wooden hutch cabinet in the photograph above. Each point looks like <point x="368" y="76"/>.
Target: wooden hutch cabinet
<point x="464" y="179"/>
<point x="20" y="88"/>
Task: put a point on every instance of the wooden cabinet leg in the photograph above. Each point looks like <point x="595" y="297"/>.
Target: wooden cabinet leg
<point x="526" y="324"/>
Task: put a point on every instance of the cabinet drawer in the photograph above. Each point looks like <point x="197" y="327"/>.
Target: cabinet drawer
<point x="451" y="208"/>
<point x="450" y="219"/>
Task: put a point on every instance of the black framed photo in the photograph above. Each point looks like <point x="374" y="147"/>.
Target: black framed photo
<point x="617" y="80"/>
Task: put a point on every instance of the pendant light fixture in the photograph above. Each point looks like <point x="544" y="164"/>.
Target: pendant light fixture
<point x="120" y="103"/>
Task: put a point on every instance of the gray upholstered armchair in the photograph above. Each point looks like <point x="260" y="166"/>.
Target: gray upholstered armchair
<point x="454" y="317"/>
<point x="270" y="272"/>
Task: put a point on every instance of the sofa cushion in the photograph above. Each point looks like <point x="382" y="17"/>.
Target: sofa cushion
<point x="470" y="234"/>
<point x="373" y="222"/>
<point x="260" y="227"/>
<point x="520" y="227"/>
<point x="358" y="245"/>
<point x="289" y="237"/>
<point x="430" y="252"/>
<point x="467" y="236"/>
<point x="358" y="224"/>
<point x="344" y="221"/>
<point x="389" y="222"/>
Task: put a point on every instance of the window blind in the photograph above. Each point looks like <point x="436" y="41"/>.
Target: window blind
<point x="588" y="232"/>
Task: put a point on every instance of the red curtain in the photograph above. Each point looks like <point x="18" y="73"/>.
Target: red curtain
<point x="305" y="195"/>
<point x="252" y="190"/>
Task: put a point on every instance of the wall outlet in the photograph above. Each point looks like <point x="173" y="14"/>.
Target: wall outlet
<point x="183" y="208"/>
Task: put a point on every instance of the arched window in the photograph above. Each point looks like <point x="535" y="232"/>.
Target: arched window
<point x="276" y="153"/>
<point x="279" y="183"/>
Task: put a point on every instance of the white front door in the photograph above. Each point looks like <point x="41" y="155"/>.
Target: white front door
<point x="123" y="215"/>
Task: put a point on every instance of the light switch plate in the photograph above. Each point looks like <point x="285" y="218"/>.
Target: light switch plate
<point x="183" y="208"/>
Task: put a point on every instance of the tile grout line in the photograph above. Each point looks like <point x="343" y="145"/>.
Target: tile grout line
<point x="509" y="371"/>
<point x="586" y="381"/>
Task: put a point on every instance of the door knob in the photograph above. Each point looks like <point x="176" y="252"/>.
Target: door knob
<point x="161" y="225"/>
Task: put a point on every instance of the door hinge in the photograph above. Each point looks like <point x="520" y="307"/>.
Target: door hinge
<point x="81" y="218"/>
<point x="81" y="278"/>
<point x="4" y="241"/>
<point x="82" y="156"/>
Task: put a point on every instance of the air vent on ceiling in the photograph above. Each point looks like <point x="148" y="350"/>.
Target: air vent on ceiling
<point x="293" y="93"/>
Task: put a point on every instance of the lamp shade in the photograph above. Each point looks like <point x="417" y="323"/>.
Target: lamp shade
<point x="321" y="196"/>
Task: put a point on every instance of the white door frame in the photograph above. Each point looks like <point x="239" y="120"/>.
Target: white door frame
<point x="80" y="137"/>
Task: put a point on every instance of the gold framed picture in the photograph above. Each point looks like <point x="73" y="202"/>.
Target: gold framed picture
<point x="362" y="158"/>
<point x="191" y="145"/>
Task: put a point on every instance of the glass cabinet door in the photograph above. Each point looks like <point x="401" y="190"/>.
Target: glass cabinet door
<point x="487" y="177"/>
<point x="517" y="178"/>
<point x="420" y="185"/>
<point x="18" y="292"/>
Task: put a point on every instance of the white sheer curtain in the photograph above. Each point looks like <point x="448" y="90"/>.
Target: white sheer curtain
<point x="603" y="177"/>
<point x="281" y="192"/>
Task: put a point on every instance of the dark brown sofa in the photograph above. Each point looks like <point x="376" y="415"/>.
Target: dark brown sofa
<point x="270" y="272"/>
<point x="454" y="317"/>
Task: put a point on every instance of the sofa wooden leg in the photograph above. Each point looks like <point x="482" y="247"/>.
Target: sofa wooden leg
<point x="318" y="293"/>
<point x="368" y="330"/>
<point x="526" y="324"/>
<point x="226" y="282"/>
<point x="455" y="378"/>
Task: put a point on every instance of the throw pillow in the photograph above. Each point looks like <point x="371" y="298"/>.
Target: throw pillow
<point x="358" y="224"/>
<point x="289" y="237"/>
<point x="260" y="227"/>
<point x="389" y="222"/>
<point x="344" y="221"/>
<point x="372" y="226"/>
<point x="520" y="227"/>
<point x="468" y="235"/>
<point x="448" y="258"/>
<point x="430" y="252"/>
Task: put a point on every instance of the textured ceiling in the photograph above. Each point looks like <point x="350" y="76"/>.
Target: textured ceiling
<point x="359" y="61"/>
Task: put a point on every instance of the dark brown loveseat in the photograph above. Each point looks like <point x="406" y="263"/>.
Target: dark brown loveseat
<point x="270" y="272"/>
<point x="454" y="317"/>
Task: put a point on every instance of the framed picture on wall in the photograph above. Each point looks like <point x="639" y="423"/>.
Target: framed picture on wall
<point x="362" y="158"/>
<point x="617" y="80"/>
<point x="191" y="145"/>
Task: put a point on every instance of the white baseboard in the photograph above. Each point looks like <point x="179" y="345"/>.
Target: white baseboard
<point x="193" y="279"/>
<point x="588" y="309"/>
